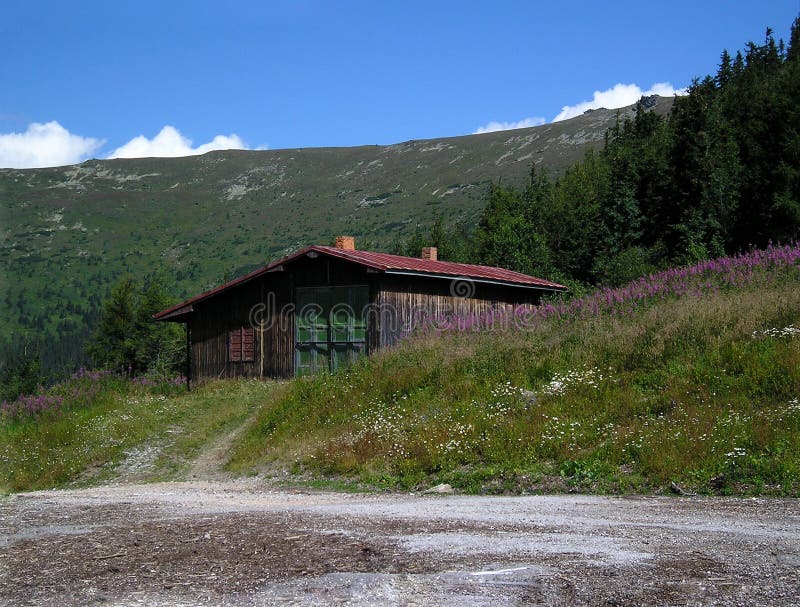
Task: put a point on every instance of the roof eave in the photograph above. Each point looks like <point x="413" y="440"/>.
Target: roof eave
<point x="275" y="266"/>
<point x="180" y="314"/>
<point x="490" y="281"/>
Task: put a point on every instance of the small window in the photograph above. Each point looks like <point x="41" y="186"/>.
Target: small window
<point x="241" y="345"/>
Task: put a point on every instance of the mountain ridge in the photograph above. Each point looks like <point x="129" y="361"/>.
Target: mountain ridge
<point x="68" y="233"/>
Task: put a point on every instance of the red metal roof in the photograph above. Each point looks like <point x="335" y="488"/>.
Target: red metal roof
<point x="386" y="262"/>
<point x="382" y="262"/>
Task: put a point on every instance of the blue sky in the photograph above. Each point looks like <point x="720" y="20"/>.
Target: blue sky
<point x="95" y="79"/>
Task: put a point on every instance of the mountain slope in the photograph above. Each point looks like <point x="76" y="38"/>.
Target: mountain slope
<point x="68" y="233"/>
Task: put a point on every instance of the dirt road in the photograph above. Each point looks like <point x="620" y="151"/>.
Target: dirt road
<point x="244" y="543"/>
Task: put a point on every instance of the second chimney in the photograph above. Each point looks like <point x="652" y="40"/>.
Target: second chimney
<point x="429" y="253"/>
<point x="348" y="243"/>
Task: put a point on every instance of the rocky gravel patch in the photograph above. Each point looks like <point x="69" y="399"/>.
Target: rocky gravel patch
<point x="246" y="543"/>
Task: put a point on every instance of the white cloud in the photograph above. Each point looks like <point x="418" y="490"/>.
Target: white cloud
<point x="171" y="143"/>
<point x="45" y="145"/>
<point x="620" y="95"/>
<point x="507" y="126"/>
<point x="617" y="96"/>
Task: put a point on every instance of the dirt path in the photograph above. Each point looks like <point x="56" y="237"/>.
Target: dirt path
<point x="244" y="543"/>
<point x="214" y="456"/>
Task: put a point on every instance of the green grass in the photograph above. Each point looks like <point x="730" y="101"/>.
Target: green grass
<point x="678" y="391"/>
<point x="87" y="443"/>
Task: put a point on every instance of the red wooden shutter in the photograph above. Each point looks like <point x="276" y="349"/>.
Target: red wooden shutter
<point x="248" y="344"/>
<point x="235" y="346"/>
<point x="242" y="345"/>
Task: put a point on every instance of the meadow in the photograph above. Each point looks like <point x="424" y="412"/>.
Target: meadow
<point x="96" y="427"/>
<point x="689" y="376"/>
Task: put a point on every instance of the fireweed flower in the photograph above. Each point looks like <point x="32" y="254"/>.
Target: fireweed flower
<point x="706" y="277"/>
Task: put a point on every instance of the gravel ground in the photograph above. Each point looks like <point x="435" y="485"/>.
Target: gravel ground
<point x="245" y="543"/>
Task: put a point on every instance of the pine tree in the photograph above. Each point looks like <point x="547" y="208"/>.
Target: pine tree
<point x="158" y="345"/>
<point x="128" y="340"/>
<point x="507" y="236"/>
<point x="793" y="50"/>
<point x="113" y="343"/>
<point x="22" y="374"/>
<point x="725" y="71"/>
<point x="571" y="218"/>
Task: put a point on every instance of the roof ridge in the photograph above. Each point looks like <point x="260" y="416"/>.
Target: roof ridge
<point x="383" y="262"/>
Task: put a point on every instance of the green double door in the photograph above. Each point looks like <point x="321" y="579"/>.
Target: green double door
<point x="330" y="327"/>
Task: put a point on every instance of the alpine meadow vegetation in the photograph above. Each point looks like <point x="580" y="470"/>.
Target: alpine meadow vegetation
<point x="689" y="376"/>
<point x="98" y="426"/>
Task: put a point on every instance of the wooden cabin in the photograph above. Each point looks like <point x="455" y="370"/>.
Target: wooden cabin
<point x="321" y="307"/>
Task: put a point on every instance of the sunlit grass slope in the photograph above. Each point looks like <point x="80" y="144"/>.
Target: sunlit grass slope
<point x="691" y="376"/>
<point x="97" y="427"/>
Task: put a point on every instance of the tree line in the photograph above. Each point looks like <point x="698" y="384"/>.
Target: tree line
<point x="125" y="339"/>
<point x="718" y="174"/>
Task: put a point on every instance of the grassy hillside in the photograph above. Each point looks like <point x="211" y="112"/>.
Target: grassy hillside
<point x="68" y="233"/>
<point x="689" y="376"/>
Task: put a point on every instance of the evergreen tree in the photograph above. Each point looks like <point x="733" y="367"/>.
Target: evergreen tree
<point x="725" y="71"/>
<point x="21" y="375"/>
<point x="127" y="339"/>
<point x="113" y="343"/>
<point x="793" y="50"/>
<point x="620" y="213"/>
<point x="159" y="345"/>
<point x="507" y="236"/>
<point x="571" y="218"/>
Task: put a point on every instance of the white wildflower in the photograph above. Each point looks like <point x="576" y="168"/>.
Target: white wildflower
<point x="790" y="331"/>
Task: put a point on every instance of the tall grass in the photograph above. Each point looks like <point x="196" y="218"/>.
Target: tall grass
<point x="691" y="376"/>
<point x="89" y="427"/>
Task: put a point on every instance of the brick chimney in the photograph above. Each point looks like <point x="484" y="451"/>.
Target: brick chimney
<point x="429" y="253"/>
<point x="348" y="243"/>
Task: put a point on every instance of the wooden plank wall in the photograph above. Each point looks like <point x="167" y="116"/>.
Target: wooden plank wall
<point x="215" y="318"/>
<point x="403" y="302"/>
<point x="211" y="322"/>
<point x="274" y="336"/>
<point x="276" y="359"/>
